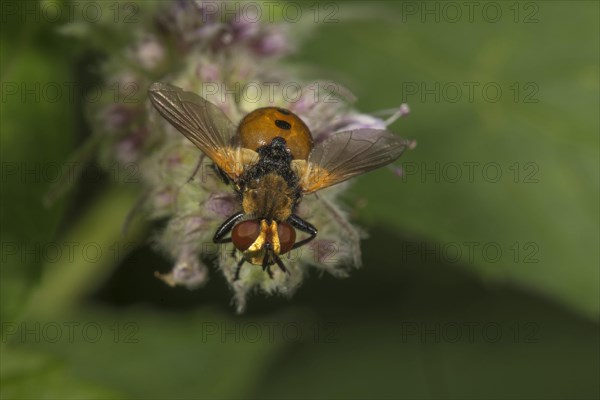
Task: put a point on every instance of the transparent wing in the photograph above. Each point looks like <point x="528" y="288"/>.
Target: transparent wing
<point x="350" y="153"/>
<point x="203" y="123"/>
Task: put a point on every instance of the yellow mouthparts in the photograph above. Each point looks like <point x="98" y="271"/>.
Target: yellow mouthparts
<point x="268" y="234"/>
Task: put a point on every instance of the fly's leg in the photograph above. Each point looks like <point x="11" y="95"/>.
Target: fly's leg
<point x="265" y="262"/>
<point x="304" y="226"/>
<point x="134" y="211"/>
<point x="222" y="175"/>
<point x="226" y="227"/>
<point x="238" y="269"/>
<point x="280" y="264"/>
<point x="196" y="168"/>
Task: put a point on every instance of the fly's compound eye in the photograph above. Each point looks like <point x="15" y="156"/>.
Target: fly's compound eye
<point x="245" y="233"/>
<point x="287" y="237"/>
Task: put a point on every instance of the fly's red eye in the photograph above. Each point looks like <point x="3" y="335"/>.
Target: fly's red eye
<point x="287" y="237"/>
<point x="245" y="233"/>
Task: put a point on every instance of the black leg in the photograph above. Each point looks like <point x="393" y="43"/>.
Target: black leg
<point x="239" y="268"/>
<point x="134" y="210"/>
<point x="226" y="227"/>
<point x="304" y="226"/>
<point x="196" y="169"/>
<point x="222" y="175"/>
<point x="280" y="264"/>
<point x="265" y="262"/>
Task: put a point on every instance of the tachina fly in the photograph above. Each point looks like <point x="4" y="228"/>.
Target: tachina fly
<point x="271" y="161"/>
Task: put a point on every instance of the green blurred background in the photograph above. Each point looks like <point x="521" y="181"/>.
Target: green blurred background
<point x="436" y="312"/>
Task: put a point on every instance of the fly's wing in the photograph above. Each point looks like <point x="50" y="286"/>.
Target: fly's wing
<point x="203" y="123"/>
<point x="350" y="153"/>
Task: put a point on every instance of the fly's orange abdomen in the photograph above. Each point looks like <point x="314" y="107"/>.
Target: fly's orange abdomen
<point x="262" y="125"/>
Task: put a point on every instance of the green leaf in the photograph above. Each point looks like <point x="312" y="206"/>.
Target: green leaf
<point x="92" y="249"/>
<point x="423" y="329"/>
<point x="541" y="135"/>
<point x="27" y="374"/>
<point x="36" y="134"/>
<point x="145" y="353"/>
<point x="389" y="331"/>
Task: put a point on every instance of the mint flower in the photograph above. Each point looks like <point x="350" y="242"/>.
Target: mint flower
<point x="230" y="60"/>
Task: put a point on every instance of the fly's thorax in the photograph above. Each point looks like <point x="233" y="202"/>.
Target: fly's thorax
<point x="269" y="197"/>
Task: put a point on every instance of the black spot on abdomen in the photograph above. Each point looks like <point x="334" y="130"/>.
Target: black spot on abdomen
<point x="283" y="124"/>
<point x="283" y="111"/>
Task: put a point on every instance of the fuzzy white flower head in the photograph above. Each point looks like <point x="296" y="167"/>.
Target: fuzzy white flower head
<point x="228" y="60"/>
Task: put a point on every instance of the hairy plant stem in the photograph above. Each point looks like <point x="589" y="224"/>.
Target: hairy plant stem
<point x="98" y="245"/>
